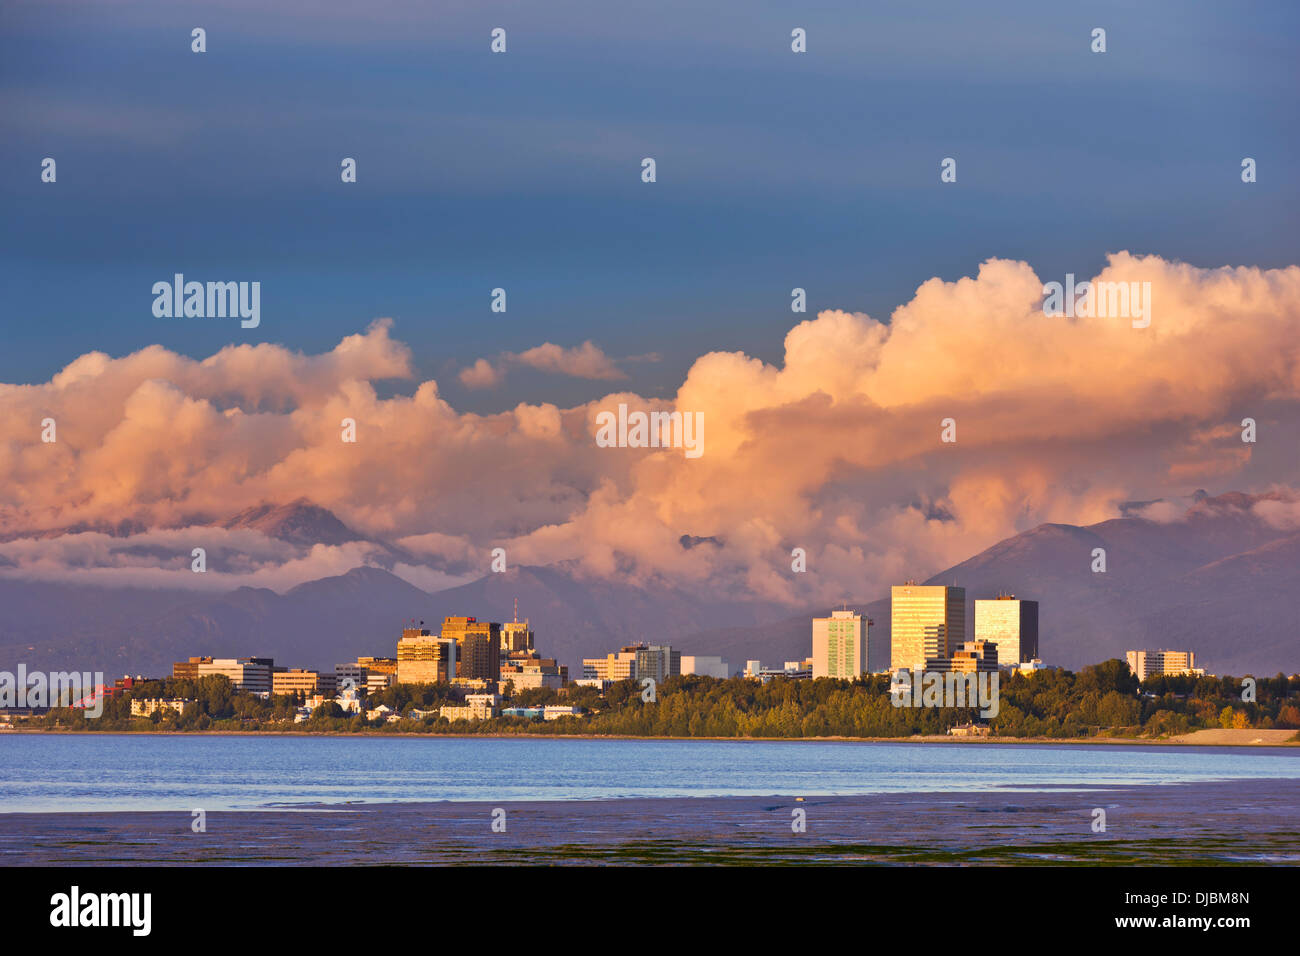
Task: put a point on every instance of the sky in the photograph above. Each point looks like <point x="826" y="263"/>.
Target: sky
<point x="522" y="171"/>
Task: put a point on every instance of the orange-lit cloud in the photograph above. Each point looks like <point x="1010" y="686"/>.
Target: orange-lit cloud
<point x="587" y="361"/>
<point x="837" y="450"/>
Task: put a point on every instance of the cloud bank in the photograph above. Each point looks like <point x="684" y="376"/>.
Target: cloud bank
<point x="837" y="450"/>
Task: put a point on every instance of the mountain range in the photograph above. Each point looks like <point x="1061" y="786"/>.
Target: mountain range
<point x="1218" y="579"/>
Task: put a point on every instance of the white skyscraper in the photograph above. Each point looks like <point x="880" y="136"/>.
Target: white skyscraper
<point x="840" y="645"/>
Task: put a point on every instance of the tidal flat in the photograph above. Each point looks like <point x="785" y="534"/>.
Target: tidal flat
<point x="1227" y="823"/>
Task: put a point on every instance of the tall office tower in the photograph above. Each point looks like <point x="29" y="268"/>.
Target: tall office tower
<point x="478" y="646"/>
<point x="424" y="658"/>
<point x="516" y="637"/>
<point x="926" y="622"/>
<point x="1010" y="624"/>
<point x="839" y="645"/>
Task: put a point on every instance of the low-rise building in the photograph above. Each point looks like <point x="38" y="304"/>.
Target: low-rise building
<point x="971" y="658"/>
<point x="1031" y="667"/>
<point x="526" y="671"/>
<point x="1146" y="664"/>
<point x="189" y="670"/>
<point x="476" y="707"/>
<point x="148" y="706"/>
<point x="127" y="682"/>
<point x="251" y="675"/>
<point x="556" y="711"/>
<point x="384" y="712"/>
<point x="703" y="665"/>
<point x="348" y="700"/>
<point x="527" y="713"/>
<point x="635" y="661"/>
<point x="296" y="681"/>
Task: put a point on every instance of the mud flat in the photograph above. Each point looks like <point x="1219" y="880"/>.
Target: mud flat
<point x="1236" y="738"/>
<point x="1227" y="823"/>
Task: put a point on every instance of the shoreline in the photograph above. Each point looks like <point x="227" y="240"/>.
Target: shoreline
<point x="1210" y="737"/>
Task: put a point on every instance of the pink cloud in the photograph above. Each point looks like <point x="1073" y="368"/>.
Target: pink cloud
<point x="836" y="449"/>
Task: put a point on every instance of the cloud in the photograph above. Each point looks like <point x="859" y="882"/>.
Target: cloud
<point x="482" y="374"/>
<point x="836" y="449"/>
<point x="587" y="361"/>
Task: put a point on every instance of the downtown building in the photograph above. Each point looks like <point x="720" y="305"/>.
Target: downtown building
<point x="839" y="645"/>
<point x="478" y="647"/>
<point x="285" y="680"/>
<point x="250" y="675"/>
<point x="927" y="622"/>
<point x="635" y="661"/>
<point x="972" y="657"/>
<point x="516" y="638"/>
<point x="189" y="670"/>
<point x="476" y="707"/>
<point x="1012" y="625"/>
<point x="705" y="666"/>
<point x="1146" y="664"/>
<point x="422" y="658"/>
<point x="371" y="674"/>
<point x="531" y="671"/>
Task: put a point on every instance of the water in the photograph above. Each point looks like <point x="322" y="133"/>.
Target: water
<point x="40" y="772"/>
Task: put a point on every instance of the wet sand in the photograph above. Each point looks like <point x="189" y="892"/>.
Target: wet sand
<point x="1227" y="823"/>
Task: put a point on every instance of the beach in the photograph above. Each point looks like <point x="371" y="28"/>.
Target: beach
<point x="1205" y="823"/>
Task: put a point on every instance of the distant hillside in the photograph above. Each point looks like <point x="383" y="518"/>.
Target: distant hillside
<point x="1219" y="581"/>
<point x="299" y="522"/>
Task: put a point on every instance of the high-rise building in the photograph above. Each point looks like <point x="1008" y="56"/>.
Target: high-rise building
<point x="1146" y="664"/>
<point x="516" y="635"/>
<point x="422" y="658"/>
<point x="839" y="645"/>
<point x="926" y="622"/>
<point x="1011" y="624"/>
<point x="658" y="661"/>
<point x="478" y="646"/>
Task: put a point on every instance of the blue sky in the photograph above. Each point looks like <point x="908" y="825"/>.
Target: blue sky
<point x="522" y="170"/>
